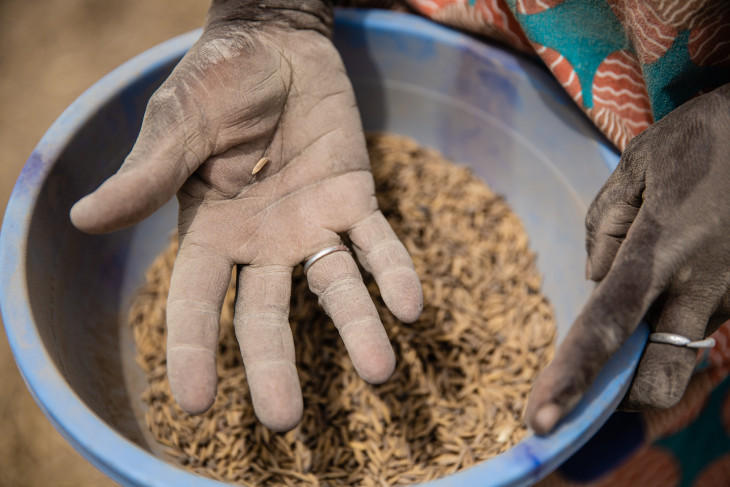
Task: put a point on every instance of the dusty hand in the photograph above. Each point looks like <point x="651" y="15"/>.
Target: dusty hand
<point x="245" y="91"/>
<point x="658" y="240"/>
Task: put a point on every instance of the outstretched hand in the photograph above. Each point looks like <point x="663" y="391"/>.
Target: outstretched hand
<point x="658" y="241"/>
<point x="258" y="134"/>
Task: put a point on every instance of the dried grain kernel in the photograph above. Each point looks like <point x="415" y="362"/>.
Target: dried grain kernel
<point x="260" y="165"/>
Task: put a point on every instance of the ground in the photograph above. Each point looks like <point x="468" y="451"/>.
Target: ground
<point x="50" y="52"/>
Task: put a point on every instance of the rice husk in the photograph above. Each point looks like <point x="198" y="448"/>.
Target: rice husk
<point x="463" y="373"/>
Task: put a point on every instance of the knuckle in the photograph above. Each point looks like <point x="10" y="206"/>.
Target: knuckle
<point x="162" y="100"/>
<point x="662" y="377"/>
<point x="646" y="394"/>
<point x="270" y="319"/>
<point x="344" y="285"/>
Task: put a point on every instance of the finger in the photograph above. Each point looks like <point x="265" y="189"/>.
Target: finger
<point x="386" y="258"/>
<point x="267" y="346"/>
<point x="720" y="316"/>
<point x="336" y="280"/>
<point x="170" y="147"/>
<point x="611" y="215"/>
<point x="197" y="288"/>
<point x="695" y="302"/>
<point x="610" y="315"/>
<point x="665" y="370"/>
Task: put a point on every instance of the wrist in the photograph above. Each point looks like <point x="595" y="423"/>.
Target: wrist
<point x="314" y="15"/>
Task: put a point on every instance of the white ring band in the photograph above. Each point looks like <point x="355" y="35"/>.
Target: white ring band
<point x="322" y="253"/>
<point x="680" y="340"/>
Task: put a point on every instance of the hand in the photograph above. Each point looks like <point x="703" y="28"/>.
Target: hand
<point x="658" y="241"/>
<point x="271" y="87"/>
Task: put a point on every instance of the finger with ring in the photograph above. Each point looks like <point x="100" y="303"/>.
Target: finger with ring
<point x="326" y="251"/>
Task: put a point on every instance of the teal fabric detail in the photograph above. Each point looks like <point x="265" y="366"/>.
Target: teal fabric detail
<point x="673" y="79"/>
<point x="703" y="441"/>
<point x="585" y="32"/>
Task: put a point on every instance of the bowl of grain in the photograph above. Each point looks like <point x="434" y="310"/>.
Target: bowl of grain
<point x="484" y="167"/>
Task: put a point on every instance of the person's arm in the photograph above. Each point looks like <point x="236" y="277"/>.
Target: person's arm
<point x="658" y="241"/>
<point x="257" y="133"/>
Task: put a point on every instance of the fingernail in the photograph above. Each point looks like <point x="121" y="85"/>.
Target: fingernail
<point x="588" y="268"/>
<point x="546" y="418"/>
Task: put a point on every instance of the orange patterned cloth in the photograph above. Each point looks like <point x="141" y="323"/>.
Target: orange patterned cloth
<point x="626" y="63"/>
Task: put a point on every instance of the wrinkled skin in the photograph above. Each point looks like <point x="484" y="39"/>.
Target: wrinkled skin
<point x="261" y="83"/>
<point x="658" y="241"/>
<point x="268" y="82"/>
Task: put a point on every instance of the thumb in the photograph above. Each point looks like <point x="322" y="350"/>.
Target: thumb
<point x="170" y="147"/>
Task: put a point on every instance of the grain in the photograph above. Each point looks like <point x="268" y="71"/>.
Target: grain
<point x="464" y="369"/>
<point x="260" y="165"/>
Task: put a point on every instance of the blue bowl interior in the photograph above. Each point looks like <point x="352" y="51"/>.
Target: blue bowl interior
<point x="65" y="295"/>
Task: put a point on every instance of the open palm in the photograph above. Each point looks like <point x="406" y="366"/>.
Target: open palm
<point x="239" y="99"/>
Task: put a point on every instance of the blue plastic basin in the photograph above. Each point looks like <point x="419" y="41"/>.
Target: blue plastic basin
<point x="65" y="295"/>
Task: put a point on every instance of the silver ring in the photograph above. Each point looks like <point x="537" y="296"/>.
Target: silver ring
<point x="322" y="253"/>
<point x="680" y="340"/>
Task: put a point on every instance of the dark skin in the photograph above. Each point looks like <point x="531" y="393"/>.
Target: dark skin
<point x="265" y="80"/>
<point x="658" y="242"/>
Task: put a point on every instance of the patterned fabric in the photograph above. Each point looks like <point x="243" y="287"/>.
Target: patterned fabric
<point x="690" y="447"/>
<point x="626" y="63"/>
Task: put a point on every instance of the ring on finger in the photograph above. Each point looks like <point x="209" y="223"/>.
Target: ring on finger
<point x="680" y="340"/>
<point x="325" y="251"/>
